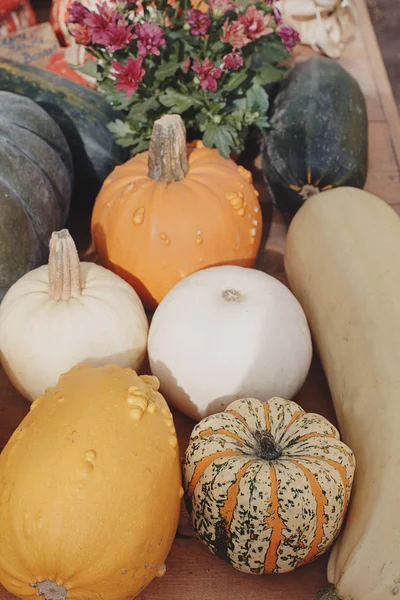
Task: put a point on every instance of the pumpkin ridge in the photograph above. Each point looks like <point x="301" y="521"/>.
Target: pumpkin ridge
<point x="7" y="185"/>
<point x="321" y="501"/>
<point x="294" y="418"/>
<point x="227" y="509"/>
<point x="63" y="156"/>
<point x="308" y="436"/>
<point x="223" y="432"/>
<point x="205" y="462"/>
<point x="240" y="417"/>
<point x="338" y="467"/>
<point x="62" y="210"/>
<point x="274" y="522"/>
<point x="267" y="412"/>
<point x="32" y="158"/>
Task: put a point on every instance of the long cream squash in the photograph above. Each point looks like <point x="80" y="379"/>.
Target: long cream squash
<point x="342" y="260"/>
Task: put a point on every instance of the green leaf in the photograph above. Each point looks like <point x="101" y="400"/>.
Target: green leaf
<point x="176" y="101"/>
<point x="167" y="69"/>
<point x="221" y="137"/>
<point x="257" y="98"/>
<point x="270" y="50"/>
<point x="235" y="80"/>
<point x="120" y="128"/>
<point x="89" y="68"/>
<point x="140" y="110"/>
<point x="268" y="74"/>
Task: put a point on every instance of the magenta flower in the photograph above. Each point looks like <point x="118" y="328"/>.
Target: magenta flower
<point x="208" y="74"/>
<point x="98" y="22"/>
<point x="288" y="36"/>
<point x="117" y="36"/>
<point x="255" y="23"/>
<point x="198" y="21"/>
<point x="277" y="16"/>
<point x="233" y="33"/>
<point x="77" y="13"/>
<point x="232" y="61"/>
<point x="150" y="38"/>
<point x="128" y="77"/>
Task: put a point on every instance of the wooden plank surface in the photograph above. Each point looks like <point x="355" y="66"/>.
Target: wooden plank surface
<point x="192" y="572"/>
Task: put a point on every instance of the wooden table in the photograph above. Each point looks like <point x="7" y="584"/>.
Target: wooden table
<point x="192" y="572"/>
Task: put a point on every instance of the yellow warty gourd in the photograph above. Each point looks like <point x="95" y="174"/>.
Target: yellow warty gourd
<point x="90" y="489"/>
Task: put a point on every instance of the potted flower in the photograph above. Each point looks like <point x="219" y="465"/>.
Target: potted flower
<point x="208" y="62"/>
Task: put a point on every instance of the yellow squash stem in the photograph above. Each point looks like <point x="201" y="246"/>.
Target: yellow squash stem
<point x="64" y="267"/>
<point x="167" y="151"/>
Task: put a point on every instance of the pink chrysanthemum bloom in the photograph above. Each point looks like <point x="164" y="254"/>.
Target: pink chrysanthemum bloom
<point x="232" y="61"/>
<point x="98" y="22"/>
<point x="128" y="76"/>
<point x="233" y="34"/>
<point x="198" y="21"/>
<point x="208" y="74"/>
<point x="220" y="7"/>
<point x="150" y="38"/>
<point x="78" y="12"/>
<point x="117" y="36"/>
<point x="76" y="22"/>
<point x="288" y="36"/>
<point x="277" y="16"/>
<point x="255" y="23"/>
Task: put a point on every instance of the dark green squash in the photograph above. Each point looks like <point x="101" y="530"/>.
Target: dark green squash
<point x="82" y="115"/>
<point x="319" y="134"/>
<point x="35" y="185"/>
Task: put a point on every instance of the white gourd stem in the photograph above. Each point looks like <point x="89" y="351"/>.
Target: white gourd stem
<point x="64" y="267"/>
<point x="167" y="151"/>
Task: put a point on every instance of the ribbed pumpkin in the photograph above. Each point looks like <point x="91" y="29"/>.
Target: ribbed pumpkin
<point x="267" y="484"/>
<point x="35" y="185"/>
<point x="174" y="210"/>
<point x="90" y="489"/>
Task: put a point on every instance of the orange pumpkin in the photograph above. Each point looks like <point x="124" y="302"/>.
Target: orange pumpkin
<point x="174" y="210"/>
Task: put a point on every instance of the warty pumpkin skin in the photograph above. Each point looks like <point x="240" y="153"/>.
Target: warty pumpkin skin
<point x="175" y="210"/>
<point x="35" y="185"/>
<point x="267" y="485"/>
<point x="90" y="489"/>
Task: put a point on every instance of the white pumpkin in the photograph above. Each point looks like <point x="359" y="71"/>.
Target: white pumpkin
<point x="67" y="313"/>
<point x="225" y="333"/>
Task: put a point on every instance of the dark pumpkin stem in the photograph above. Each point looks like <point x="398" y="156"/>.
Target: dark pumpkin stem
<point x="268" y="448"/>
<point x="327" y="594"/>
<point x="64" y="267"/>
<point x="167" y="151"/>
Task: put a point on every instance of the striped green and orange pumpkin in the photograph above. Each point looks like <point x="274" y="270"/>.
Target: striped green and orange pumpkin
<point x="267" y="485"/>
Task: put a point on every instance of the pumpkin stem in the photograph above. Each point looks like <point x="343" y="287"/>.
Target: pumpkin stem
<point x="327" y="594"/>
<point x="308" y="190"/>
<point x="268" y="448"/>
<point x="50" y="590"/>
<point x="167" y="151"/>
<point x="64" y="267"/>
